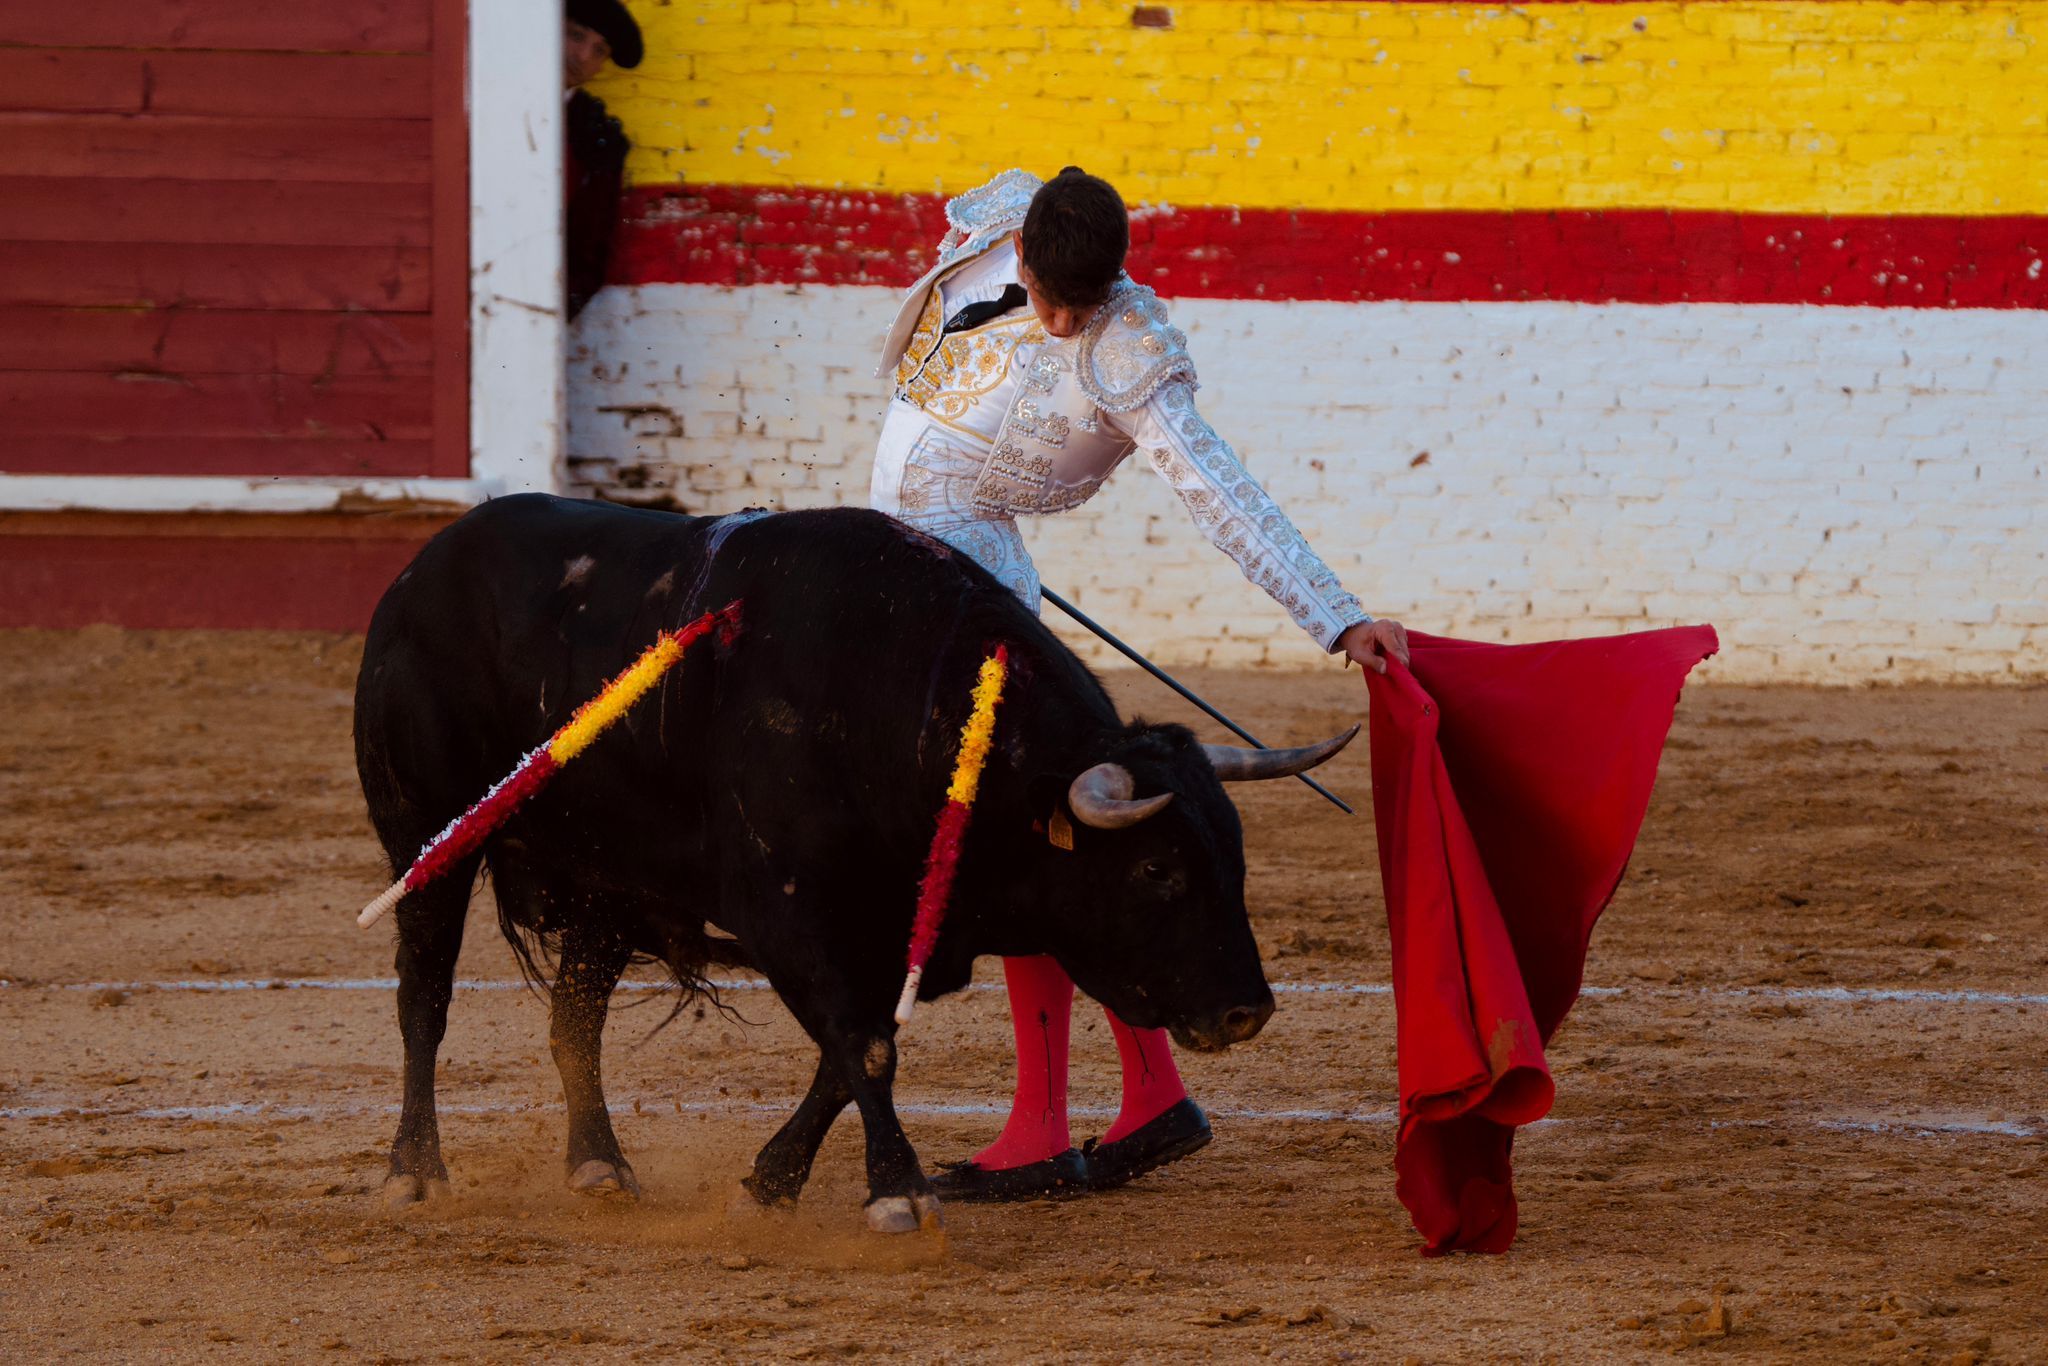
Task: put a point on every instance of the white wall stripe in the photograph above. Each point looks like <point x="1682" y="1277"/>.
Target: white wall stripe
<point x="1849" y="493"/>
<point x="1844" y="995"/>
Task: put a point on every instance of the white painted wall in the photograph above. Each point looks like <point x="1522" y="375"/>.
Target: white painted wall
<point x="1850" y="495"/>
<point x="515" y="245"/>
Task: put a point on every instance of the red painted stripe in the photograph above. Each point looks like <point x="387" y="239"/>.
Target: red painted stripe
<point x="734" y="235"/>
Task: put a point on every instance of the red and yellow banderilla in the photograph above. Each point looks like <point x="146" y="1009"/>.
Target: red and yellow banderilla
<point x="466" y="833"/>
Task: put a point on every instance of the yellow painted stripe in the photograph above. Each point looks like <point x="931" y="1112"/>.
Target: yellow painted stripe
<point x="1845" y="106"/>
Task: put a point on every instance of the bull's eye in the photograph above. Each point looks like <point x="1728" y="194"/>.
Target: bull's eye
<point x="1158" y="871"/>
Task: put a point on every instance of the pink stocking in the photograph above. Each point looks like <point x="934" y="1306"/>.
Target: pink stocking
<point x="1152" y="1083"/>
<point x="1041" y="1010"/>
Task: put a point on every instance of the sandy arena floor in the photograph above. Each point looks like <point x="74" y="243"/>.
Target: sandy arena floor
<point x="1756" y="1149"/>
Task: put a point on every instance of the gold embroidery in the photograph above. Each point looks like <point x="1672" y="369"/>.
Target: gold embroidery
<point x="962" y="368"/>
<point x="924" y="339"/>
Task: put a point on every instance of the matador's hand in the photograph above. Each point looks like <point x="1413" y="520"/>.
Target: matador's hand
<point x="1366" y="643"/>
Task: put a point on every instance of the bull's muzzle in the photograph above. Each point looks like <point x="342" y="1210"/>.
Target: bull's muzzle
<point x="1218" y="1032"/>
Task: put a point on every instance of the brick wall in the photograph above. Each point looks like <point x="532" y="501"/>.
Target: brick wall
<point x="1538" y="321"/>
<point x="1848" y="494"/>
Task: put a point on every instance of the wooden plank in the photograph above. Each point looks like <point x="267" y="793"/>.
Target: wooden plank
<point x="330" y="26"/>
<point x="39" y="403"/>
<point x="289" y="84"/>
<point x="451" y="239"/>
<point x="58" y="274"/>
<point x="206" y="342"/>
<point x="255" y="212"/>
<point x="192" y="147"/>
<point x="415" y="522"/>
<point x="311" y="583"/>
<point x="254" y="456"/>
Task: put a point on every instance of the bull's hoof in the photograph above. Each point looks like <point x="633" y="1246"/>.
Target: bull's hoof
<point x="905" y="1214"/>
<point x="606" y="1180"/>
<point x="402" y="1192"/>
<point x="769" y="1194"/>
<point x="748" y="1204"/>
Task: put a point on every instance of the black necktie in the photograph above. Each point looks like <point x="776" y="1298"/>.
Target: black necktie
<point x="974" y="315"/>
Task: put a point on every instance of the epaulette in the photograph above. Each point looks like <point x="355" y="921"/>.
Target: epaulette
<point x="1129" y="350"/>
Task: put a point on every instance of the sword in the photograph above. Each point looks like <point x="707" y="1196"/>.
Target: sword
<point x="1170" y="681"/>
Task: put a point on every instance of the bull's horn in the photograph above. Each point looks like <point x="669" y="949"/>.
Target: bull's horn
<point x="1101" y="797"/>
<point x="1235" y="764"/>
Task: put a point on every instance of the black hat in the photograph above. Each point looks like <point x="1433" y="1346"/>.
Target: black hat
<point x="611" y="19"/>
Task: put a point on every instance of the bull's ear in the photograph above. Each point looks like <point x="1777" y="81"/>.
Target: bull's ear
<point x="1046" y="794"/>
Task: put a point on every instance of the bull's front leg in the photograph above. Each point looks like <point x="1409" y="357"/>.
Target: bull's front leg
<point x="590" y="968"/>
<point x="784" y="1163"/>
<point x="900" y="1199"/>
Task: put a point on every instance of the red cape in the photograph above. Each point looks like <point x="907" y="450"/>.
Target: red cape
<point x="1508" y="784"/>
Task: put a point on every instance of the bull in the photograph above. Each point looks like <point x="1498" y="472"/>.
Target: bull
<point x="771" y="804"/>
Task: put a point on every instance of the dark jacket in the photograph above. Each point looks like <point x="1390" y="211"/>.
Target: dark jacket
<point x="593" y="170"/>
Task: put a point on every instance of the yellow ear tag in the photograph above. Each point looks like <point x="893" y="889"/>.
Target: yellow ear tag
<point x="1060" y="831"/>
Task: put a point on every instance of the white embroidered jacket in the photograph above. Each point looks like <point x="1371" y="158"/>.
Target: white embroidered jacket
<point x="1056" y="416"/>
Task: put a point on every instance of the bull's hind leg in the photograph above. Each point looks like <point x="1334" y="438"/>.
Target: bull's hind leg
<point x="784" y="1164"/>
<point x="429" y="939"/>
<point x="590" y="968"/>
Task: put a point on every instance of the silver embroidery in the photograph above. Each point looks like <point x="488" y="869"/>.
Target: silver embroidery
<point x="1244" y="522"/>
<point x="1009" y="461"/>
<point x="1061" y="497"/>
<point x="1044" y="372"/>
<point x="1050" y="429"/>
<point x="1128" y="351"/>
<point x="1004" y="197"/>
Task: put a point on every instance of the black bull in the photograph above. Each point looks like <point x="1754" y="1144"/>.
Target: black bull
<point x="781" y="788"/>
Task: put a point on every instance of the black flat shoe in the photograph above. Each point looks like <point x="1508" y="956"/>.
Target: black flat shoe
<point x="1055" y="1178"/>
<point x="1180" y="1129"/>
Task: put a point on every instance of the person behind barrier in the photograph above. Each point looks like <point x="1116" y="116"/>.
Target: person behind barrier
<point x="594" y="145"/>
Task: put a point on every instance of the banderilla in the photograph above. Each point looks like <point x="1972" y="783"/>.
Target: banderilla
<point x="1170" y="681"/>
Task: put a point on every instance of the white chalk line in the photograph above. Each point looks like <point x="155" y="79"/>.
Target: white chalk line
<point x="269" y="1110"/>
<point x="1881" y="995"/>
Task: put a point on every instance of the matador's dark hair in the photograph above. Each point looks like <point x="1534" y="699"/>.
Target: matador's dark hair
<point x="1075" y="237"/>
